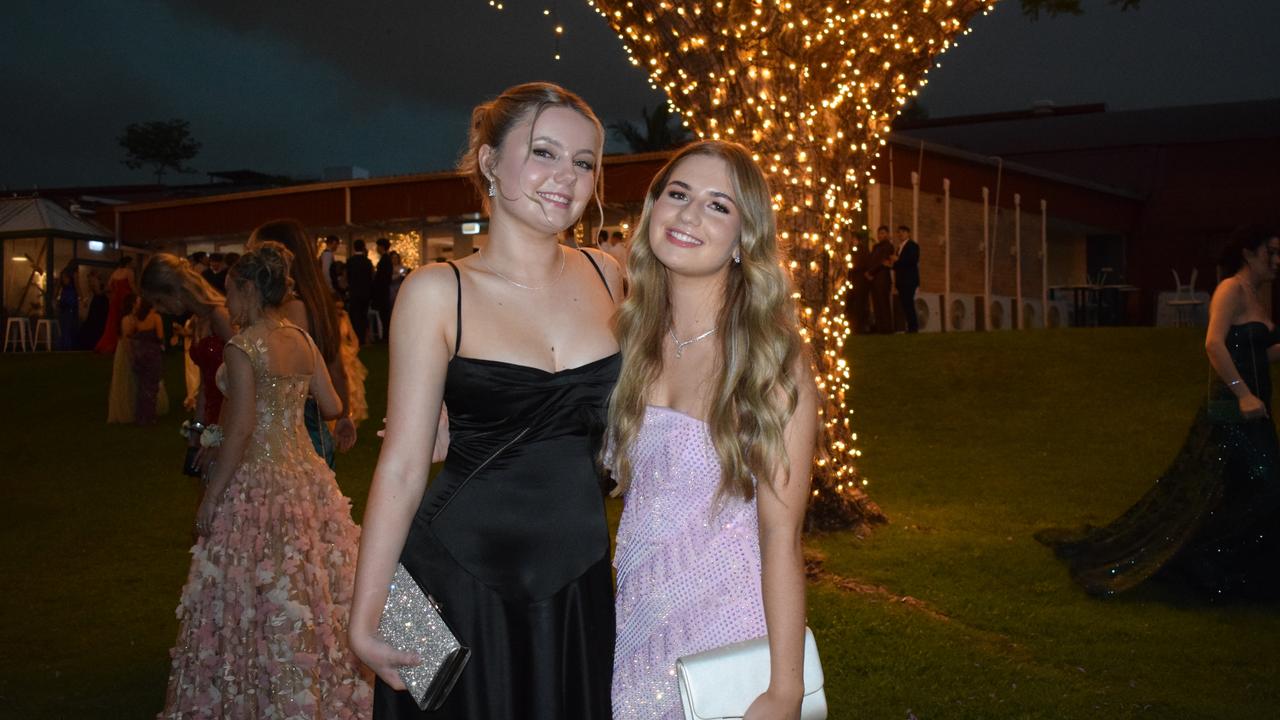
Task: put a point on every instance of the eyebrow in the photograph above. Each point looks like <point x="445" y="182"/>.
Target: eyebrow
<point x="560" y="145"/>
<point x="714" y="193"/>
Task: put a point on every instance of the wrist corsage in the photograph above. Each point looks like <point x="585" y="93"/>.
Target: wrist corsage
<point x="211" y="437"/>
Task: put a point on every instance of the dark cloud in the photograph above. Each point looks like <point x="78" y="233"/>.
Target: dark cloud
<point x="292" y="86"/>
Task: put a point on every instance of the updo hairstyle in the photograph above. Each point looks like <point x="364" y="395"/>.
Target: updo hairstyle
<point x="266" y="270"/>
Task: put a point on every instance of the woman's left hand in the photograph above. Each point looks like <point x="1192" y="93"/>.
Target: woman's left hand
<point x="773" y="706"/>
<point x="205" y="515"/>
<point x="344" y="433"/>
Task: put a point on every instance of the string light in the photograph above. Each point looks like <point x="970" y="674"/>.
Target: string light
<point x="812" y="88"/>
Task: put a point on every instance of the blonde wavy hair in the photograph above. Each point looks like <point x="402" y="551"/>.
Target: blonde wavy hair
<point x="169" y="276"/>
<point x="754" y="392"/>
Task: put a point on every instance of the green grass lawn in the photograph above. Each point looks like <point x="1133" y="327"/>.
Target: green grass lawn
<point x="971" y="443"/>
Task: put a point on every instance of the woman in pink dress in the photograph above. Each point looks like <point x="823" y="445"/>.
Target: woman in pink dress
<point x="119" y="286"/>
<point x="713" y="425"/>
<point x="264" y="611"/>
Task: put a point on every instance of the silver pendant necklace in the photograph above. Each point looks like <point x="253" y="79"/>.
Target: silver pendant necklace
<point x="682" y="344"/>
<point x="494" y="270"/>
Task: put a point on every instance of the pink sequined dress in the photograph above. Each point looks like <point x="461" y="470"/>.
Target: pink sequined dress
<point x="688" y="565"/>
<point x="263" y="616"/>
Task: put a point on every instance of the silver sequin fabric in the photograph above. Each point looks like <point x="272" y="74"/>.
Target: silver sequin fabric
<point x="688" y="565"/>
<point x="411" y="623"/>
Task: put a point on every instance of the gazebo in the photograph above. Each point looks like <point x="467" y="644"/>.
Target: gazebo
<point x="38" y="237"/>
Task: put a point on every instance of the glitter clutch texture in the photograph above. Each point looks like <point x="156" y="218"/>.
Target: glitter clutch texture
<point x="411" y="622"/>
<point x="722" y="683"/>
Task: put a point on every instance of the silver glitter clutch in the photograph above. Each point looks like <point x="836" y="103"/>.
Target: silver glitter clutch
<point x="411" y="622"/>
<point x="722" y="683"/>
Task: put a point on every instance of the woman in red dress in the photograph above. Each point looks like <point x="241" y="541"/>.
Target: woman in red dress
<point x="120" y="286"/>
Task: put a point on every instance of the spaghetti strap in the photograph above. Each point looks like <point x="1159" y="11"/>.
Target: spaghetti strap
<point x="457" y="333"/>
<point x="598" y="271"/>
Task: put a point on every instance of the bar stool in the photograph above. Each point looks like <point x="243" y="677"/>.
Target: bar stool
<point x="45" y="328"/>
<point x="17" y="331"/>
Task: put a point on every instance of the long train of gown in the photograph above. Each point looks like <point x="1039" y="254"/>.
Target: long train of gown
<point x="688" y="565"/>
<point x="265" y="608"/>
<point x="1213" y="517"/>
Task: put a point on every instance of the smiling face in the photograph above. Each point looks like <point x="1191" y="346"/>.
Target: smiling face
<point x="696" y="222"/>
<point x="545" y="169"/>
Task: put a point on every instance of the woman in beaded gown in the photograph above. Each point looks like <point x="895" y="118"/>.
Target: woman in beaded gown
<point x="313" y="308"/>
<point x="1213" y="518"/>
<point x="713" y="425"/>
<point x="510" y="538"/>
<point x="263" y="615"/>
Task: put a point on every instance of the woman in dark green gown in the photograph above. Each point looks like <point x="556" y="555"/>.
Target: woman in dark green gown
<point x="1213" y="516"/>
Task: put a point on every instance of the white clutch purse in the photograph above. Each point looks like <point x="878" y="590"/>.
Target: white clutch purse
<point x="722" y="683"/>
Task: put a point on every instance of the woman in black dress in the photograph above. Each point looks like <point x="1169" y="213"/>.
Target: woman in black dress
<point x="511" y="537"/>
<point x="1213" y="517"/>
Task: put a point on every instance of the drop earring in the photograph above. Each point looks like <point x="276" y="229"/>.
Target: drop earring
<point x="737" y="256"/>
<point x="493" y="188"/>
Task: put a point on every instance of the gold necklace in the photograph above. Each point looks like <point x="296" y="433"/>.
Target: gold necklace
<point x="494" y="270"/>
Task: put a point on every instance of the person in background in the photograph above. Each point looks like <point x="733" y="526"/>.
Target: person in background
<point x="263" y="614"/>
<point x="398" y="273"/>
<point x="879" y="266"/>
<point x="1212" y="518"/>
<point x="858" y="297"/>
<point x="311" y="306"/>
<point x="906" y="276"/>
<point x="95" y="320"/>
<point x="122" y="395"/>
<point x="327" y="256"/>
<point x="338" y="277"/>
<point x="68" y="301"/>
<point x="381" y="297"/>
<point x="602" y="239"/>
<point x="199" y="261"/>
<point x="359" y="289"/>
<point x="230" y="259"/>
<point x="216" y="275"/>
<point x="174" y="287"/>
<point x="120" y="285"/>
<point x="145" y="332"/>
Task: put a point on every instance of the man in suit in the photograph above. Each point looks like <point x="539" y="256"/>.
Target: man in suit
<point x="327" y="256"/>
<point x="359" y="289"/>
<point x="382" y="285"/>
<point x="216" y="275"/>
<point x="878" y="274"/>
<point x="906" y="276"/>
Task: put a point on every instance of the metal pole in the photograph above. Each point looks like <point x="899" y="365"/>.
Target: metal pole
<point x="1044" y="259"/>
<point x="1017" y="257"/>
<point x="915" y="203"/>
<point x="946" y="255"/>
<point x="986" y="258"/>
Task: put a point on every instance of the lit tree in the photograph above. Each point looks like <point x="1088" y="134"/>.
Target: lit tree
<point x="811" y="87"/>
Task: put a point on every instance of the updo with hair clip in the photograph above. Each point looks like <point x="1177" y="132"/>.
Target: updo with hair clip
<point x="266" y="268"/>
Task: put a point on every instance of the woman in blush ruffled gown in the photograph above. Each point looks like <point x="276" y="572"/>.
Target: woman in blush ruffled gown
<point x="264" y="611"/>
<point x="713" y="425"/>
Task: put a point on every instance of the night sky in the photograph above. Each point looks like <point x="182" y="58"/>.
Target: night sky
<point x="293" y="86"/>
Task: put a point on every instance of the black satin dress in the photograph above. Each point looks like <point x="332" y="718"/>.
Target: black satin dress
<point x="511" y="540"/>
<point x="1212" y="518"/>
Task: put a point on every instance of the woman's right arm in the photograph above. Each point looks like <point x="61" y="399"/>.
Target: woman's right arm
<point x="1224" y="308"/>
<point x="419" y="353"/>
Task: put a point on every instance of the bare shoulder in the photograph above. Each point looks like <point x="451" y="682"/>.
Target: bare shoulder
<point x="608" y="265"/>
<point x="429" y="286"/>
